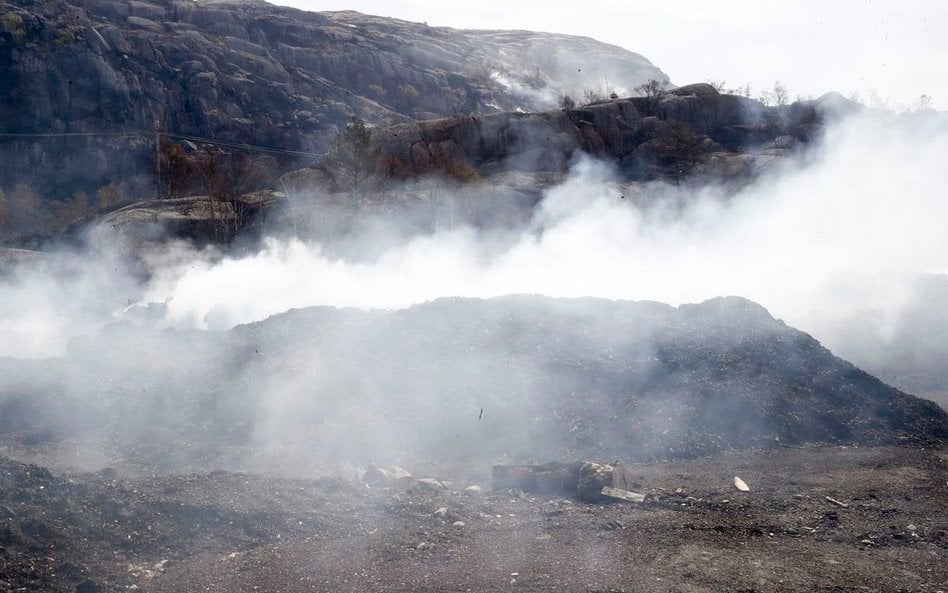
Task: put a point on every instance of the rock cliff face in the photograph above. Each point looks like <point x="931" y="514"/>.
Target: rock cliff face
<point x="255" y="73"/>
<point x="646" y="137"/>
<point x="691" y="131"/>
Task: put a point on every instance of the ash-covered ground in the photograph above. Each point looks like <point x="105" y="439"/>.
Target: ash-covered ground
<point x="225" y="461"/>
<point x="224" y="531"/>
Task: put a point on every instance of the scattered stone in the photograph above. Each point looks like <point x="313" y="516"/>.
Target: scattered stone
<point x="622" y="495"/>
<point x="741" y="484"/>
<point x="473" y="490"/>
<point x="593" y="477"/>
<point x="385" y="476"/>
<point x="836" y="502"/>
<point x="441" y="512"/>
<point x="429" y="484"/>
<point x="458" y="524"/>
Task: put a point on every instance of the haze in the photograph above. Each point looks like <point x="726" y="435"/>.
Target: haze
<point x="888" y="52"/>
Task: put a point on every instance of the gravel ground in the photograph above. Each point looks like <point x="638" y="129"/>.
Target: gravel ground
<point x="223" y="532"/>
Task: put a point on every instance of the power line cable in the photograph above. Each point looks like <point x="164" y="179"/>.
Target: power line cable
<point x="65" y="134"/>
<point x="225" y="143"/>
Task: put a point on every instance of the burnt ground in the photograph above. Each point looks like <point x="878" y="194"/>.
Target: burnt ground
<point x="225" y="531"/>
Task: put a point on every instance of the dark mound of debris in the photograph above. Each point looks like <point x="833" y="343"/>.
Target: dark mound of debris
<point x="532" y="378"/>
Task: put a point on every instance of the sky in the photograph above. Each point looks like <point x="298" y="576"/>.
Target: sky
<point x="898" y="49"/>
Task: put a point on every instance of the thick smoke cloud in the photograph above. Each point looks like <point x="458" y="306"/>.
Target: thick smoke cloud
<point x="829" y="241"/>
<point x="867" y="209"/>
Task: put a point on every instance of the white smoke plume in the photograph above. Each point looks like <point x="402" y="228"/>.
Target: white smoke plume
<point x="870" y="205"/>
<point x="845" y="231"/>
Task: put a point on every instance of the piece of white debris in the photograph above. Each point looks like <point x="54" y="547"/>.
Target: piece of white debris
<point x="741" y="484"/>
<point x="458" y="524"/>
<point x="836" y="502"/>
<point x="623" y="495"/>
<point x="441" y="512"/>
<point x="430" y="484"/>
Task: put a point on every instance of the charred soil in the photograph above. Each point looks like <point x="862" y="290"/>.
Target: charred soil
<point x="224" y="531"/>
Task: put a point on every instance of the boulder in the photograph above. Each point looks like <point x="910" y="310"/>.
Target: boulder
<point x="386" y="476"/>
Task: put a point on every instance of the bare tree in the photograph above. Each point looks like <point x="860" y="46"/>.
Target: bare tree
<point x="567" y="103"/>
<point x="179" y="171"/>
<point x="591" y="96"/>
<point x="781" y="96"/>
<point x="653" y="91"/>
<point x="778" y="96"/>
<point x="923" y="103"/>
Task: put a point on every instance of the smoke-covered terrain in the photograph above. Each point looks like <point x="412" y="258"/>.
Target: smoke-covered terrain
<point x="741" y="305"/>
<point x="525" y="377"/>
<point x="844" y="243"/>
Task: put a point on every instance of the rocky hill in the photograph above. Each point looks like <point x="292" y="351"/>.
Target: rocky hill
<point x="497" y="165"/>
<point x="250" y="72"/>
<point x="668" y="134"/>
<point x="528" y="377"/>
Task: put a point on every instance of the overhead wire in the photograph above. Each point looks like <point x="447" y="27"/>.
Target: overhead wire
<point x="189" y="137"/>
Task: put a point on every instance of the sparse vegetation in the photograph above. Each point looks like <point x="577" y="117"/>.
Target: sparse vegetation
<point x="409" y="94"/>
<point x="352" y="159"/>
<point x="178" y="172"/>
<point x="777" y="96"/>
<point x="591" y="96"/>
<point x="454" y="168"/>
<point x="723" y="88"/>
<point x="653" y="91"/>
<point x="567" y="103"/>
<point x="64" y="36"/>
<point x="923" y="103"/>
<point x="679" y="148"/>
<point x="107" y="197"/>
<point x="13" y="24"/>
<point x="25" y="213"/>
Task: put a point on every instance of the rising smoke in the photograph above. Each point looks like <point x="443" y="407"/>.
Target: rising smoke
<point x="867" y="212"/>
<point x="833" y="244"/>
